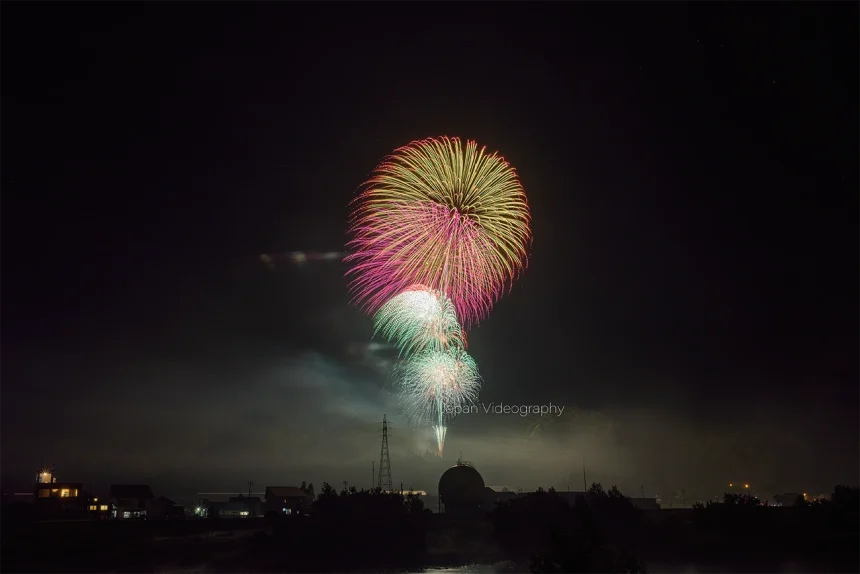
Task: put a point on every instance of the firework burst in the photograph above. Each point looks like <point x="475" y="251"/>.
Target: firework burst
<point x="441" y="214"/>
<point x="435" y="385"/>
<point x="419" y="320"/>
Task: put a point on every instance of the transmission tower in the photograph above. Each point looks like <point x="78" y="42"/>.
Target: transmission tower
<point x="384" y="460"/>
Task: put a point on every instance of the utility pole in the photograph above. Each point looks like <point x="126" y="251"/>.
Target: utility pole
<point x="684" y="498"/>
<point x="346" y="486"/>
<point x="584" y="483"/>
<point x="250" y="484"/>
<point x="373" y="474"/>
<point x="384" y="459"/>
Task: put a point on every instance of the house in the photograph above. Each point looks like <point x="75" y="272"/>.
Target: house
<point x="97" y="507"/>
<point x="253" y="504"/>
<point x="287" y="499"/>
<point x="52" y="497"/>
<point x="162" y="508"/>
<point x="129" y="500"/>
<point x="229" y="510"/>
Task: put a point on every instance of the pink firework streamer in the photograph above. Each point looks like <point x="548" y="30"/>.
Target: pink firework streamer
<point x="444" y="214"/>
<point x="428" y="244"/>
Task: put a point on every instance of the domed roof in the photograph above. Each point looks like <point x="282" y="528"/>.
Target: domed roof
<point x="461" y="483"/>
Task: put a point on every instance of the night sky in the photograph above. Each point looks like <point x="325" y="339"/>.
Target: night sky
<point x="691" y="298"/>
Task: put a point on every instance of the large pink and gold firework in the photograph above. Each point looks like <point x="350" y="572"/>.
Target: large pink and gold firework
<point x="445" y="215"/>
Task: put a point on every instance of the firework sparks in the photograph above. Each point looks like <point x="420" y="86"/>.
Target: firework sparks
<point x="440" y="431"/>
<point x="435" y="385"/>
<point x="441" y="214"/>
<point x="419" y="320"/>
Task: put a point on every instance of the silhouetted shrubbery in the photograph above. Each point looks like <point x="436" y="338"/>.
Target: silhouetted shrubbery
<point x="375" y="531"/>
<point x="343" y="533"/>
<point x="592" y="535"/>
<point x="743" y="525"/>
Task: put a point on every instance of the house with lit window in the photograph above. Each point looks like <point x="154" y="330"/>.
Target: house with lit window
<point x="229" y="510"/>
<point x="52" y="497"/>
<point x="252" y="504"/>
<point x="129" y="501"/>
<point x="98" y="508"/>
<point x="287" y="500"/>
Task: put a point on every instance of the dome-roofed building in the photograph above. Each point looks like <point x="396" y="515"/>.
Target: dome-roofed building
<point x="461" y="489"/>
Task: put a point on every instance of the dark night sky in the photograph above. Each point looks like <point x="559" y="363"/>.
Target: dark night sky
<point x="692" y="296"/>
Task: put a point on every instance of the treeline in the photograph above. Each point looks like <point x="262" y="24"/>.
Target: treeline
<point x="603" y="531"/>
<point x="345" y="531"/>
<point x="597" y="533"/>
<point x="743" y="526"/>
<point x="371" y="530"/>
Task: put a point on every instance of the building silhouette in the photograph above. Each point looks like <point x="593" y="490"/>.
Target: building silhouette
<point x="462" y="490"/>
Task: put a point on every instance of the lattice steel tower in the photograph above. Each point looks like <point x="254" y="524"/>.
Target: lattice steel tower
<point x="384" y="461"/>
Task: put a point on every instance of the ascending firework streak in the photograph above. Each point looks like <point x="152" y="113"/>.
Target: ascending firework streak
<point x="418" y="320"/>
<point x="434" y="385"/>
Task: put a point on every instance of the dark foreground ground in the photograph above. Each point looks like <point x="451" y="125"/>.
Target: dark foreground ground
<point x="260" y="546"/>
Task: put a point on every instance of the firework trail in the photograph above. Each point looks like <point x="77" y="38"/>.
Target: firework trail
<point x="418" y="320"/>
<point x="435" y="385"/>
<point x="441" y="214"/>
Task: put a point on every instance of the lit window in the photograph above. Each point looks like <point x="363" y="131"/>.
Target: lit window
<point x="126" y="514"/>
<point x="64" y="493"/>
<point x="103" y="507"/>
<point x="93" y="507"/>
